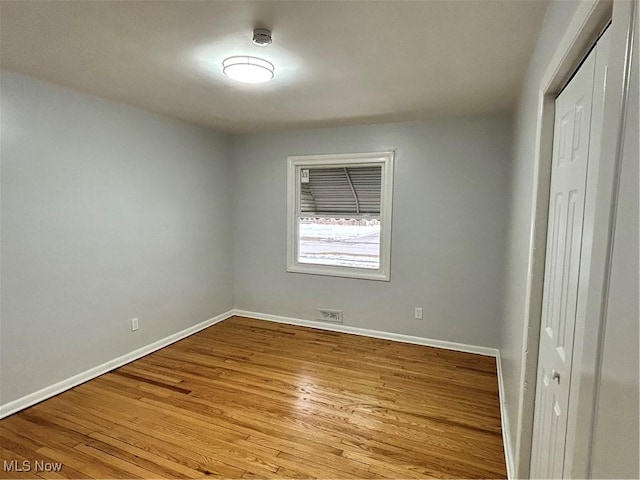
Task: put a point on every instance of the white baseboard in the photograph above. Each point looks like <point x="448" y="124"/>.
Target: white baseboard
<point x="55" y="389"/>
<point x="336" y="327"/>
<point x="506" y="437"/>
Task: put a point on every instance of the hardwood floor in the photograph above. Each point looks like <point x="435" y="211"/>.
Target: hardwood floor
<point x="254" y="399"/>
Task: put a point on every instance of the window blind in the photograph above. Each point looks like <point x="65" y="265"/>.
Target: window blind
<point x="342" y="191"/>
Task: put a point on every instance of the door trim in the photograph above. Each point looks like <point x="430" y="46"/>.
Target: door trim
<point x="588" y="22"/>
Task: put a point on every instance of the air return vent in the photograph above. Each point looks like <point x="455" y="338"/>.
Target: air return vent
<point x="327" y="315"/>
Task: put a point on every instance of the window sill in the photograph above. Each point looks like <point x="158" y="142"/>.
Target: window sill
<point x="345" y="272"/>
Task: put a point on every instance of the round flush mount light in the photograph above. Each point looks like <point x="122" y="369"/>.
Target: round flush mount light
<point x="248" y="69"/>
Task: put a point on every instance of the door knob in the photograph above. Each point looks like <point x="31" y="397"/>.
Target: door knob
<point x="555" y="375"/>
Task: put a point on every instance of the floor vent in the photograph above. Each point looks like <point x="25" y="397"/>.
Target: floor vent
<point x="327" y="315"/>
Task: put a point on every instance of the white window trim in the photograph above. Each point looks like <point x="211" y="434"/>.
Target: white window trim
<point x="385" y="159"/>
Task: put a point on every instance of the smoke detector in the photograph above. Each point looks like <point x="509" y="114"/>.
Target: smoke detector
<point x="262" y="37"/>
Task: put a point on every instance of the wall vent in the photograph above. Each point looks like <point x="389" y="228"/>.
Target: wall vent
<point x="328" y="315"/>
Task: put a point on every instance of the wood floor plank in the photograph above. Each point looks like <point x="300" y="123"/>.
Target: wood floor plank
<point x="254" y="399"/>
<point x="152" y="461"/>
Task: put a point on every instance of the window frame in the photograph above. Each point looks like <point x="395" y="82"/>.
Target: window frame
<point x="297" y="162"/>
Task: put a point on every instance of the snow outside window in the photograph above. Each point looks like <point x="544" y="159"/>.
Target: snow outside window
<point x="339" y="215"/>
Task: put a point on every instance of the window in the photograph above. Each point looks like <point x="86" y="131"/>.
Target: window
<point x="339" y="215"/>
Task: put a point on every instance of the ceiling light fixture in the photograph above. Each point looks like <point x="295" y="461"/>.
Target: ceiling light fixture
<point x="247" y="69"/>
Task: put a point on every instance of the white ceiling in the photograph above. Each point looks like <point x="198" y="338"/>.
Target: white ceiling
<point x="337" y="62"/>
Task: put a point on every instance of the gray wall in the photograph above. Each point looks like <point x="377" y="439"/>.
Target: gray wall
<point x="616" y="446"/>
<point x="449" y="228"/>
<point x="557" y="19"/>
<point x="107" y="213"/>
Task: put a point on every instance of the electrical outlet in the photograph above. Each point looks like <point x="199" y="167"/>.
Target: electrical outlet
<point x="417" y="313"/>
<point x="134" y="324"/>
<point x="327" y="315"/>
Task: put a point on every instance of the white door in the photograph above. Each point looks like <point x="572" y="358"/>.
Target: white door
<point x="573" y="125"/>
